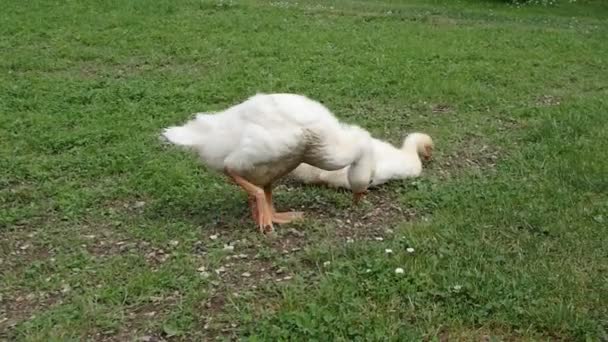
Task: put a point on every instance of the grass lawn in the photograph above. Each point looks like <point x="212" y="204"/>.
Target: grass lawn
<point x="108" y="234"/>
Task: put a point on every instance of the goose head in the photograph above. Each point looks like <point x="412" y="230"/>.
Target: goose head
<point x="419" y="143"/>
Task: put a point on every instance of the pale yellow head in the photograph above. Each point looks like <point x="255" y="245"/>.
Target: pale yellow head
<point x="421" y="143"/>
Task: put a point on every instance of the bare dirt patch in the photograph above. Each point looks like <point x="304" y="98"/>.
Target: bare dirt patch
<point x="441" y="108"/>
<point x="22" y="252"/>
<point x="547" y="101"/>
<point x="18" y="306"/>
<point x="367" y="224"/>
<point x="134" y="325"/>
<point x="470" y="154"/>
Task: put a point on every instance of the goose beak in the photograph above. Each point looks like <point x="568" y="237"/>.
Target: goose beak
<point x="357" y="196"/>
<point x="428" y="152"/>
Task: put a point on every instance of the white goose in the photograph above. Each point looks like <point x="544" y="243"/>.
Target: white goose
<point x="391" y="163"/>
<point x="264" y="138"/>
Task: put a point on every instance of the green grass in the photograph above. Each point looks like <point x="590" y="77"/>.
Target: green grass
<point x="104" y="230"/>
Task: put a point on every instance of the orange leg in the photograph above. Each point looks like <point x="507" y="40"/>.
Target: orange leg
<point x="279" y="217"/>
<point x="257" y="202"/>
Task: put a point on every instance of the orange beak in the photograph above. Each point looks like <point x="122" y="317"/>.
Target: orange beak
<point x="357" y="196"/>
<point x="428" y="152"/>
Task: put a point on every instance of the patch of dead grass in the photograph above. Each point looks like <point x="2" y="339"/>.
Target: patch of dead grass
<point x="472" y="153"/>
<point x="547" y="101"/>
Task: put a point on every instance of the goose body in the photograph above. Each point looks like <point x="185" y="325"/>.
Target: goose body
<point x="267" y="136"/>
<point x="391" y="163"/>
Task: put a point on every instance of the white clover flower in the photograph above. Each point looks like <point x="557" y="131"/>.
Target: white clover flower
<point x="399" y="270"/>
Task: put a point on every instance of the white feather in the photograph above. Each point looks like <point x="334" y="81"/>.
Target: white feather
<point x="391" y="163"/>
<point x="267" y="136"/>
